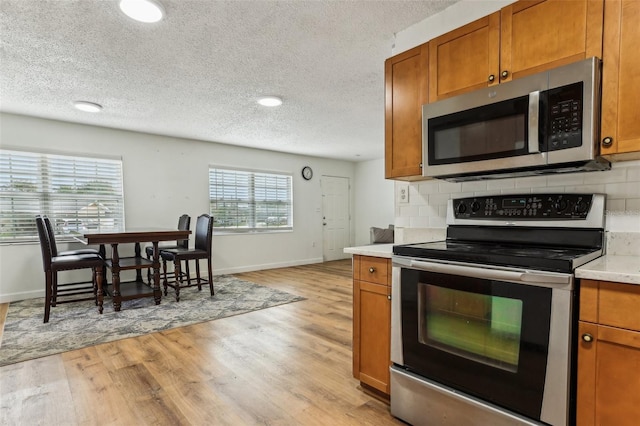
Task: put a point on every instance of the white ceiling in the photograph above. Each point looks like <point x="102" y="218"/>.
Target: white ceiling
<point x="197" y="74"/>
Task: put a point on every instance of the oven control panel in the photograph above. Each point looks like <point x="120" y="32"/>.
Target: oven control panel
<point x="524" y="207"/>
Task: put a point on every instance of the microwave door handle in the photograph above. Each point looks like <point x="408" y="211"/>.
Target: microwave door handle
<point x="534" y="111"/>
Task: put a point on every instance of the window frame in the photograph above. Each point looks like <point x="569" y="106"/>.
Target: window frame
<point x="57" y="181"/>
<point x="252" y="201"/>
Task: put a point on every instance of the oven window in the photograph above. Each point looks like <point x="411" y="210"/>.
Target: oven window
<point x="479" y="327"/>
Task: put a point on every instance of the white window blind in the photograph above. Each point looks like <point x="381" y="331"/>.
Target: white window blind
<point x="77" y="193"/>
<point x="243" y="201"/>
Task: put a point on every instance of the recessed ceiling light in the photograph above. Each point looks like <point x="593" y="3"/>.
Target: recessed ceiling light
<point x="87" y="106"/>
<point x="270" y="101"/>
<point x="147" y="11"/>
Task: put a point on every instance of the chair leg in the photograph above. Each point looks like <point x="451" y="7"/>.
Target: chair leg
<point x="176" y="263"/>
<point x="199" y="281"/>
<point x="95" y="284"/>
<point x="210" y="277"/>
<point x="186" y="266"/>
<point x="47" y="297"/>
<point x="54" y="288"/>
<point x="164" y="273"/>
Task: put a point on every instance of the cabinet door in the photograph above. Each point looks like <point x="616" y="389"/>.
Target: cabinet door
<point x="536" y="35"/>
<point x="621" y="77"/>
<point x="465" y="58"/>
<point x="372" y="328"/>
<point x="405" y="93"/>
<point x="608" y="379"/>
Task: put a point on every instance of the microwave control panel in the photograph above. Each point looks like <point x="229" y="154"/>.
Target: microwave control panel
<point x="523" y="207"/>
<point x="564" y="119"/>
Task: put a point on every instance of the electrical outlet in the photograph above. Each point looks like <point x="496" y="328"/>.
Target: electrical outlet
<point x="402" y="193"/>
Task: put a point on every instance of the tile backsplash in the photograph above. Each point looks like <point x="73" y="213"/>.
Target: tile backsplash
<point x="427" y="201"/>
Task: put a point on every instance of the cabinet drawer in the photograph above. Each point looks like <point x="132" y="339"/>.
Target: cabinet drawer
<point x="374" y="270"/>
<point x="619" y="305"/>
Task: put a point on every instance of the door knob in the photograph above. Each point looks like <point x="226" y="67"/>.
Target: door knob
<point x="372" y="270"/>
<point x="607" y="141"/>
<point x="504" y="74"/>
<point x="492" y="77"/>
<point x="587" y="337"/>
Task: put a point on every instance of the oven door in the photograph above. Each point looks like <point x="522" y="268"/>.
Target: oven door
<point x="499" y="335"/>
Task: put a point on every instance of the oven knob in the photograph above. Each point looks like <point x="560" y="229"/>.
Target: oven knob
<point x="561" y="204"/>
<point x="462" y="208"/>
<point x="475" y="206"/>
<point x="581" y="207"/>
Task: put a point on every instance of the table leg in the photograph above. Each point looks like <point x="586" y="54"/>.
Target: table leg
<point x="157" y="293"/>
<point x="115" y="275"/>
<point x="103" y="253"/>
<point x="138" y="254"/>
<point x="100" y="293"/>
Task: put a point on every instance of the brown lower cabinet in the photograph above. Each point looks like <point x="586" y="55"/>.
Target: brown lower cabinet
<point x="608" y="354"/>
<point x="372" y="322"/>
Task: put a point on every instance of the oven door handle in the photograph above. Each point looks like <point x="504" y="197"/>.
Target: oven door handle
<point x="533" y="277"/>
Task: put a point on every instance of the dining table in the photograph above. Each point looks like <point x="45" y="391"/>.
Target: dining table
<point x="137" y="288"/>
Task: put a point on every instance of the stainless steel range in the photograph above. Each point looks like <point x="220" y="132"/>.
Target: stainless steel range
<point x="483" y="323"/>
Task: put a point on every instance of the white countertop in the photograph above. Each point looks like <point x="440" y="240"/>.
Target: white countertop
<point x="378" y="250"/>
<point x="616" y="268"/>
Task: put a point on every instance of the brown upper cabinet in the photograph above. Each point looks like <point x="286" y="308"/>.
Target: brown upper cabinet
<point x="524" y="38"/>
<point x="464" y="59"/>
<point x="405" y="93"/>
<point x="620" y="131"/>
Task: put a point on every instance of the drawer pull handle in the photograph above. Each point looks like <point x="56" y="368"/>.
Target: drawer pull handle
<point x="372" y="270"/>
<point x="587" y="338"/>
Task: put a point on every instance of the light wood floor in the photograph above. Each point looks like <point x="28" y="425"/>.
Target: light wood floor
<point x="287" y="365"/>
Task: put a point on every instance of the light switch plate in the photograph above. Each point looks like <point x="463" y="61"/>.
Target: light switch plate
<point x="402" y="193"/>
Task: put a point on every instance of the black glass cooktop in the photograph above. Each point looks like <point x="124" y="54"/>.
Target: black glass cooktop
<point x="547" y="258"/>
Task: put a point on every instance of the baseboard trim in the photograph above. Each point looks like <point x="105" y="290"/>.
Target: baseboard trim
<point x="251" y="268"/>
<point x="23" y="295"/>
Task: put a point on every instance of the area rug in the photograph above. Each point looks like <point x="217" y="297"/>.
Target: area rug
<point x="78" y="325"/>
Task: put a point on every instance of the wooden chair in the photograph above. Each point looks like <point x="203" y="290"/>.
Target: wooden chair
<point x="184" y="223"/>
<point x="54" y="264"/>
<point x="54" y="247"/>
<point x="202" y="250"/>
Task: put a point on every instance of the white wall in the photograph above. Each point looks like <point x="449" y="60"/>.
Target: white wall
<point x="165" y="177"/>
<point x="373" y="199"/>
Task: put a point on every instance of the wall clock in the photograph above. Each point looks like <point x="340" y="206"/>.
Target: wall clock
<point x="307" y="173"/>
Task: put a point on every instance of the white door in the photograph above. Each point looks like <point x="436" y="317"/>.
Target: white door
<point x="335" y="217"/>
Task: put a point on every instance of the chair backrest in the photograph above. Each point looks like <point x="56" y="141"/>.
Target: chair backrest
<point x="204" y="233"/>
<point x="184" y="223"/>
<point x="52" y="237"/>
<point x="45" y="246"/>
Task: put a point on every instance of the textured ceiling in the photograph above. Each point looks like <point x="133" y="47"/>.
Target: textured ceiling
<point x="197" y="74"/>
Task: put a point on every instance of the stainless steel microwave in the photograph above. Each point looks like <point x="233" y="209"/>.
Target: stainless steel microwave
<point x="539" y="124"/>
